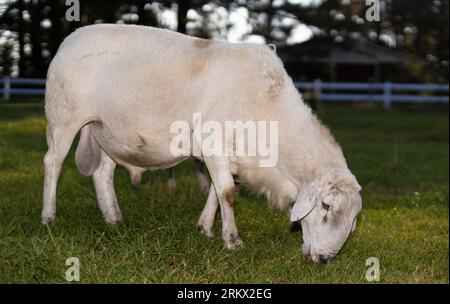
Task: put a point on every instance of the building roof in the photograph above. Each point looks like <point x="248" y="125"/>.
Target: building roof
<point x="319" y="50"/>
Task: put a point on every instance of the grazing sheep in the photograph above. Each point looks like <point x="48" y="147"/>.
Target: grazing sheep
<point x="124" y="86"/>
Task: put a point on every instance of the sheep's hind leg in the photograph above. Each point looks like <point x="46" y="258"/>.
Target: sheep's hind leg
<point x="59" y="140"/>
<point x="202" y="176"/>
<point x="103" y="178"/>
<point x="171" y="182"/>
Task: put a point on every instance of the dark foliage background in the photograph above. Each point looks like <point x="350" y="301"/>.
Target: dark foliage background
<point x="32" y="30"/>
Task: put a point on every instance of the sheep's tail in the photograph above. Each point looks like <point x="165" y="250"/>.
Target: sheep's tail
<point x="88" y="154"/>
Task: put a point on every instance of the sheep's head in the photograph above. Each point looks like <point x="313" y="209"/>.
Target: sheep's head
<point x="327" y="211"/>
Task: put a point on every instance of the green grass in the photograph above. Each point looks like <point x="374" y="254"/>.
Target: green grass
<point x="400" y="159"/>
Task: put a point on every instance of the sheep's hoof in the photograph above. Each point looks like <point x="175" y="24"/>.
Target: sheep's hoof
<point x="47" y="220"/>
<point x="209" y="232"/>
<point x="114" y="220"/>
<point x="234" y="244"/>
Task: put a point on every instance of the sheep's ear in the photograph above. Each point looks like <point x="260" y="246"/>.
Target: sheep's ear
<point x="304" y="205"/>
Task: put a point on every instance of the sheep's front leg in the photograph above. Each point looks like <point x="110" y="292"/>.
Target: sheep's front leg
<point x="219" y="169"/>
<point x="104" y="186"/>
<point x="205" y="223"/>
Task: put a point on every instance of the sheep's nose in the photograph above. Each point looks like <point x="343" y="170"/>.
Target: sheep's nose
<point x="323" y="259"/>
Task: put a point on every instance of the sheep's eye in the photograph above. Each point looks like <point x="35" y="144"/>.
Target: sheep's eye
<point x="325" y="206"/>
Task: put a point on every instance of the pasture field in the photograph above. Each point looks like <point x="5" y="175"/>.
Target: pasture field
<point x="400" y="158"/>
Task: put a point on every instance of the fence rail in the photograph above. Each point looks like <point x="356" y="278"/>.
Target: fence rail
<point x="385" y="92"/>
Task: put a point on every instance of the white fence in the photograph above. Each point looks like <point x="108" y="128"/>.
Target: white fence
<point x="11" y="87"/>
<point x="386" y="93"/>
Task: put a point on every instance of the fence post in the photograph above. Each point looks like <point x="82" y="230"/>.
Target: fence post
<point x="318" y="88"/>
<point x="6" y="88"/>
<point x="387" y="96"/>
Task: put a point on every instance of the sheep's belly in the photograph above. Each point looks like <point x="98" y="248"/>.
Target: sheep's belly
<point x="129" y="148"/>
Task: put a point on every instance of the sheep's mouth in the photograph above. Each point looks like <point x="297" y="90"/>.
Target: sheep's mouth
<point x="295" y="226"/>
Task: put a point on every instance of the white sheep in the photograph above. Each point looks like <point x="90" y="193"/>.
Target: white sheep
<point x="124" y="86"/>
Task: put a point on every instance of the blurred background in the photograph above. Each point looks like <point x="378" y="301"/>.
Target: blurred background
<point x="379" y="81"/>
<point x="328" y="40"/>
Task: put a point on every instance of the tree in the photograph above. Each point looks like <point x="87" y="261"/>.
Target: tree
<point x="419" y="28"/>
<point x="6" y="59"/>
<point x="183" y="8"/>
<point x="35" y="8"/>
<point x="21" y="37"/>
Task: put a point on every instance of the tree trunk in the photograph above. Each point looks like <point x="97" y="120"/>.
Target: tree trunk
<point x="21" y="36"/>
<point x="270" y="13"/>
<point x="143" y="20"/>
<point x="183" y="7"/>
<point x="35" y="37"/>
<point x="111" y="12"/>
<point x="56" y="32"/>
